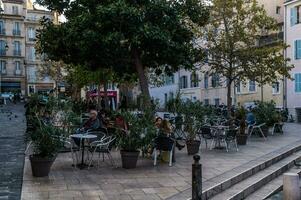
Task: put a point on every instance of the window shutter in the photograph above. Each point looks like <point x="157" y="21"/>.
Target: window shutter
<point x="298" y="49"/>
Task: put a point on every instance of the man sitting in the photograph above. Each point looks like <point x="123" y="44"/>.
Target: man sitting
<point x="91" y="124"/>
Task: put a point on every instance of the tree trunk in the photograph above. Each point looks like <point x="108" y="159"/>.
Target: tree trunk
<point x="142" y="78"/>
<point x="99" y="97"/>
<point x="229" y="100"/>
<point x="261" y="92"/>
<point x="105" y="89"/>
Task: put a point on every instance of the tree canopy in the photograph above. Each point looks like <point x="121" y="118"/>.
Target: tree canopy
<point x="233" y="39"/>
<point x="127" y="36"/>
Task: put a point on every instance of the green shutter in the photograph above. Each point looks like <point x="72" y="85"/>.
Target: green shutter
<point x="298" y="82"/>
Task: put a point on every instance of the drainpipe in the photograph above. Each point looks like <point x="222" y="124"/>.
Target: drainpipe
<point x="285" y="56"/>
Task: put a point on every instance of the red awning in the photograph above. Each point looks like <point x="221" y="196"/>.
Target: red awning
<point x="102" y="94"/>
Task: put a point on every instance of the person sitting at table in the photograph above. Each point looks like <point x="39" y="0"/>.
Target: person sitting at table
<point x="121" y="123"/>
<point x="250" y="118"/>
<point x="102" y="119"/>
<point x="91" y="124"/>
<point x="158" y="122"/>
<point x="165" y="129"/>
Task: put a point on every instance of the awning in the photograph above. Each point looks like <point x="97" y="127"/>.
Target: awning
<point x="102" y="94"/>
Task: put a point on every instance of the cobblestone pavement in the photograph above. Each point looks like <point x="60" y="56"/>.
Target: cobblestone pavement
<point x="12" y="128"/>
<point x="146" y="182"/>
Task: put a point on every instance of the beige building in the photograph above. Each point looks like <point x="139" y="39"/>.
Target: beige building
<point x="18" y="60"/>
<point x="249" y="92"/>
<point x="292" y="37"/>
<point x="35" y="83"/>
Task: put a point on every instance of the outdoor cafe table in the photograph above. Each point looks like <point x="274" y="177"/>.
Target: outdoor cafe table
<point x="220" y="134"/>
<point x="82" y="138"/>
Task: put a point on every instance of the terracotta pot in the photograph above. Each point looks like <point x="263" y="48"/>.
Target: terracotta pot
<point x="193" y="147"/>
<point x="242" y="139"/>
<point x="129" y="159"/>
<point x="40" y="166"/>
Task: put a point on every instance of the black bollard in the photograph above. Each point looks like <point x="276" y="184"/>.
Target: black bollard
<point x="196" y="178"/>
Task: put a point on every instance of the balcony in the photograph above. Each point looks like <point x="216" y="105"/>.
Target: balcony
<point x="2" y="52"/>
<point x="2" y="31"/>
<point x="271" y="39"/>
<point x="17" y="52"/>
<point x="17" y="32"/>
<point x="18" y="72"/>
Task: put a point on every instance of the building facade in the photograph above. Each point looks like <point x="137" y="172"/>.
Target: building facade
<point x="211" y="88"/>
<point x="292" y="35"/>
<point x="18" y="59"/>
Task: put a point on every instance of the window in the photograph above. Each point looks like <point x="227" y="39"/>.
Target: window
<point x="31" y="89"/>
<point x="252" y="86"/>
<point x="32" y="53"/>
<point x="215" y="80"/>
<point x="17" y="65"/>
<point x="183" y="82"/>
<point x="194" y="80"/>
<point x="165" y="99"/>
<point x="206" y="80"/>
<point x="2" y="28"/>
<point x="16" y="30"/>
<point x="17" y="48"/>
<point x="3" y="67"/>
<point x="2" y="48"/>
<point x="298" y="49"/>
<point x="276" y="88"/>
<point x="206" y="102"/>
<point x="216" y="102"/>
<point x="238" y="87"/>
<point x="169" y="80"/>
<point x="31" y="33"/>
<point x="298" y="82"/>
<point x="295" y="15"/>
<point x="15" y="10"/>
<point x="278" y="9"/>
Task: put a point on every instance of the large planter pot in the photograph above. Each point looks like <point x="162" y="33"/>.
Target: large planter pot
<point x="242" y="139"/>
<point x="193" y="147"/>
<point x="40" y="166"/>
<point x="129" y="159"/>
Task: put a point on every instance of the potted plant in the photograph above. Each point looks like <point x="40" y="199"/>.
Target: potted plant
<point x="265" y="112"/>
<point x="241" y="119"/>
<point x="192" y="144"/>
<point x="46" y="144"/>
<point x="131" y="141"/>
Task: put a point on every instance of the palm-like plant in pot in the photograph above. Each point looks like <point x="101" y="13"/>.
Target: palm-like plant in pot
<point x="131" y="141"/>
<point x="240" y="116"/>
<point x="191" y="129"/>
<point x="46" y="144"/>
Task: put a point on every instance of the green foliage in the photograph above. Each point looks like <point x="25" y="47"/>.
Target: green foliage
<point x="141" y="131"/>
<point x="121" y="34"/>
<point x="266" y="112"/>
<point x="45" y="139"/>
<point x="234" y="29"/>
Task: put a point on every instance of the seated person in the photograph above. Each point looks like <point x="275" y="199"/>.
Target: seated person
<point x="121" y="123"/>
<point x="250" y="118"/>
<point x="91" y="124"/>
<point x="165" y="129"/>
<point x="158" y="122"/>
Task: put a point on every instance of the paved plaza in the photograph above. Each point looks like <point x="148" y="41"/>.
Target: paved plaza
<point x="146" y="182"/>
<point x="108" y="183"/>
<point x="12" y="128"/>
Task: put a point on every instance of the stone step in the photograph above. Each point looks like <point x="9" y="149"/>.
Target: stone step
<point x="272" y="187"/>
<point x="226" y="180"/>
<point x="246" y="187"/>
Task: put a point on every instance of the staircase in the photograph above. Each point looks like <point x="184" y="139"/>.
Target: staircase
<point x="256" y="179"/>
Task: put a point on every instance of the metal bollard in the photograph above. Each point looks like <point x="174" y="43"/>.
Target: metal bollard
<point x="291" y="186"/>
<point x="196" y="178"/>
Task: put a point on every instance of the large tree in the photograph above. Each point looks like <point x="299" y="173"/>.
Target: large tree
<point x="233" y="41"/>
<point x="128" y="36"/>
